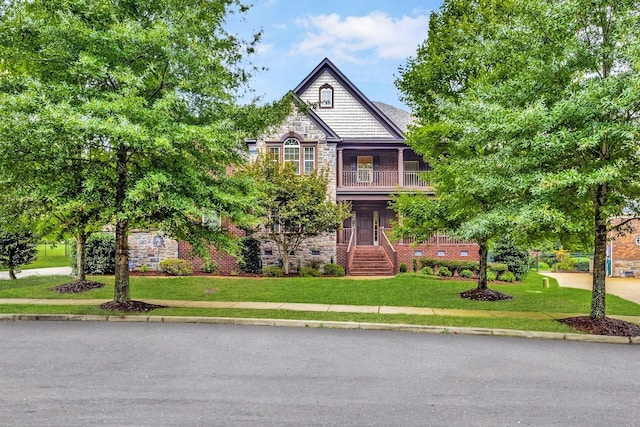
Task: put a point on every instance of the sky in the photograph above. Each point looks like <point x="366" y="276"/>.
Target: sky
<point x="368" y="40"/>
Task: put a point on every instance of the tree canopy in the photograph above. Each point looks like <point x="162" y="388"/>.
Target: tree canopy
<point x="140" y="97"/>
<point x="558" y="100"/>
<point x="293" y="207"/>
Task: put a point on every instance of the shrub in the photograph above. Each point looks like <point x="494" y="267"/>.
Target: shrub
<point x="497" y="268"/>
<point x="16" y="250"/>
<point x="176" y="267"/>
<point x="209" y="266"/>
<point x="144" y="268"/>
<point x="414" y="263"/>
<point x="403" y="267"/>
<point x="467" y="274"/>
<point x="507" y="276"/>
<point x="100" y="254"/>
<point x="542" y="265"/>
<point x="581" y="264"/>
<point x="516" y="259"/>
<point x="444" y="272"/>
<point x="273" y="271"/>
<point x="335" y="270"/>
<point x="564" y="260"/>
<point x="427" y="270"/>
<point x="251" y="259"/>
<point x="491" y="276"/>
<point x="309" y="272"/>
<point x="314" y="263"/>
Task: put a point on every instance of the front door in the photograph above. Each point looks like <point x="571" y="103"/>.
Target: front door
<point x="364" y="226"/>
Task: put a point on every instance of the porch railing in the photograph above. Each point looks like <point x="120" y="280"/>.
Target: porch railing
<point x="368" y="178"/>
<point x="437" y="240"/>
<point x="350" y="251"/>
<point x="344" y="235"/>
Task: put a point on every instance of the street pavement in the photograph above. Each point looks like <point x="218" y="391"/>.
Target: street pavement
<point x="103" y="373"/>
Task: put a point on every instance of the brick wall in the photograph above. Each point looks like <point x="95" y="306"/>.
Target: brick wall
<point x="407" y="253"/>
<point x="626" y="253"/>
<point x="226" y="263"/>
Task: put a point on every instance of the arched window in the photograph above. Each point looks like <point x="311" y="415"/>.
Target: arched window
<point x="326" y="96"/>
<point x="292" y="153"/>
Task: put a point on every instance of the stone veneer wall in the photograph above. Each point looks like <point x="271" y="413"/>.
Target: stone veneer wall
<point x="321" y="248"/>
<point x="143" y="252"/>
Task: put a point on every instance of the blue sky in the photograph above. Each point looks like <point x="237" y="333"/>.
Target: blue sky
<point x="366" y="39"/>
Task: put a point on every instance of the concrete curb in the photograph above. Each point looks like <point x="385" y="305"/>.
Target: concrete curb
<point x="328" y="324"/>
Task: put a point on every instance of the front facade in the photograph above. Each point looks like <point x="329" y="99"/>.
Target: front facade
<point x="361" y="145"/>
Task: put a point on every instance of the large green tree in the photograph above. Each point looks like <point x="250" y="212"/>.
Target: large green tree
<point x="146" y="90"/>
<point x="560" y="102"/>
<point x="474" y="194"/>
<point x="292" y="207"/>
<point x="16" y="249"/>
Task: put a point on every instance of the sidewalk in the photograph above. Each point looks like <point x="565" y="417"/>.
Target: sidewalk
<point x="52" y="271"/>
<point x="329" y="308"/>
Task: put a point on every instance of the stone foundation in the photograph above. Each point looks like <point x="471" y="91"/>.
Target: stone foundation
<point x="626" y="268"/>
<point x="321" y="248"/>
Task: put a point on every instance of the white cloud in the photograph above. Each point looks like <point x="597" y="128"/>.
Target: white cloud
<point x="346" y="38"/>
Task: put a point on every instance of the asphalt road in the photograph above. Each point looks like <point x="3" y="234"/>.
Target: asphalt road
<point x="150" y="374"/>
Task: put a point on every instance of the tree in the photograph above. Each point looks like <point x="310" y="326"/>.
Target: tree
<point x="144" y="93"/>
<point x="474" y="192"/>
<point x="16" y="249"/>
<point x="568" y="111"/>
<point x="292" y="207"/>
<point x="516" y="259"/>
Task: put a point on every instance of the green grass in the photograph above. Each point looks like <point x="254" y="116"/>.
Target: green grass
<point x="404" y="290"/>
<point x="479" y="322"/>
<point x="55" y="257"/>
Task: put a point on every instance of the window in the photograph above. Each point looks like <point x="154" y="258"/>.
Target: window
<point x="442" y="253"/>
<point x="326" y="96"/>
<point x="464" y="253"/>
<point x="365" y="168"/>
<point x="309" y="159"/>
<point x="417" y="253"/>
<point x="315" y="252"/>
<point x="292" y="153"/>
<point x="274" y="153"/>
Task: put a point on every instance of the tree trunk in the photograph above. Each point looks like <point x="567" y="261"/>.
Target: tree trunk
<point x="598" y="306"/>
<point x="285" y="262"/>
<point x="483" y="252"/>
<point x="81" y="256"/>
<point x="12" y="274"/>
<point x="121" y="289"/>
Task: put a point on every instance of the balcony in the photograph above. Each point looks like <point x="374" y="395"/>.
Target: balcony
<point x="368" y="179"/>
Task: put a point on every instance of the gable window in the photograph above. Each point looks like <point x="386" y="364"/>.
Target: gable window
<point x="292" y="153"/>
<point x="326" y="96"/>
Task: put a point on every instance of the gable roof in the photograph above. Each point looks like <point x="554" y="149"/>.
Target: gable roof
<point x="330" y="134"/>
<point x="395" y="129"/>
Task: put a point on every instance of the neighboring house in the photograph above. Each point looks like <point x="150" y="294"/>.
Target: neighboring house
<point x="361" y="144"/>
<point x="623" y="252"/>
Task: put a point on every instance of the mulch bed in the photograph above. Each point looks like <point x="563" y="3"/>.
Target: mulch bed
<point x="130" y="307"/>
<point x="485" y="295"/>
<point x="77" y="287"/>
<point x="606" y="326"/>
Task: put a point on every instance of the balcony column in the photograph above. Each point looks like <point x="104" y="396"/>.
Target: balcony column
<point x="340" y="167"/>
<point x="401" y="167"/>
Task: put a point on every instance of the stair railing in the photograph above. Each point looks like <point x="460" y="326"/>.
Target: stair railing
<point x="390" y="251"/>
<point x="351" y="250"/>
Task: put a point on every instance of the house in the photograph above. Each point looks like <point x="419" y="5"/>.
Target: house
<point x="623" y="251"/>
<point x="362" y="146"/>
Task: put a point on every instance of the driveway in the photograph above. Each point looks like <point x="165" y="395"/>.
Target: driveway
<point x="624" y="287"/>
<point x="53" y="271"/>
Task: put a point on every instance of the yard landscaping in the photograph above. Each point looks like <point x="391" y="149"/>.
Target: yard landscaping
<point x="409" y="290"/>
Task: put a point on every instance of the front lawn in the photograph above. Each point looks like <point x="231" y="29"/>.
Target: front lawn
<point x="403" y="290"/>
